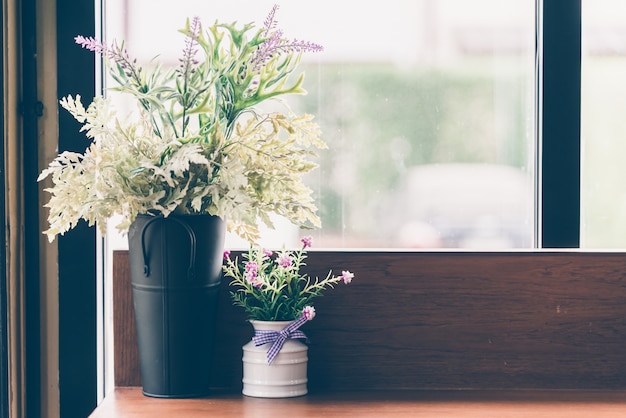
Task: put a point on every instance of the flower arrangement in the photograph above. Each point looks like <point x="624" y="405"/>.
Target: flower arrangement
<point x="270" y="286"/>
<point x="196" y="142"/>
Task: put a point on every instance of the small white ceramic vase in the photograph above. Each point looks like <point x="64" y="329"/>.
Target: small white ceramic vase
<point x="287" y="375"/>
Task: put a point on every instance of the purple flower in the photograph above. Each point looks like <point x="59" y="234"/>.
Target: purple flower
<point x="269" y="22"/>
<point x="191" y="43"/>
<point x="346" y="276"/>
<point x="306" y="241"/>
<point x="251" y="274"/>
<point x="118" y="55"/>
<point x="254" y="280"/>
<point x="252" y="266"/>
<point x="226" y="254"/>
<point x="308" y="312"/>
<point x="275" y="44"/>
<point x="267" y="252"/>
<point x="284" y="260"/>
<point x="91" y="44"/>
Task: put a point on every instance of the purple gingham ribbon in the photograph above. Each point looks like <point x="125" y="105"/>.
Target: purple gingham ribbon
<point x="278" y="338"/>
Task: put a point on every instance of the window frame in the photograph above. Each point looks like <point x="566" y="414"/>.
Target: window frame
<point x="4" y="335"/>
<point x="558" y="121"/>
<point x="29" y="111"/>
<point x="558" y="175"/>
<point x="77" y="254"/>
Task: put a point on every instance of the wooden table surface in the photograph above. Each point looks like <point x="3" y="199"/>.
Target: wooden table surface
<point x="130" y="403"/>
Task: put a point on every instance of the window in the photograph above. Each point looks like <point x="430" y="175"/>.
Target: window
<point x="603" y="129"/>
<point x="428" y="108"/>
<point x="559" y="163"/>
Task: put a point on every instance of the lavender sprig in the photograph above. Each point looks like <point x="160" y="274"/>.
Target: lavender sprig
<point x="127" y="67"/>
<point x="191" y="48"/>
<point x="116" y="53"/>
<point x="275" y="44"/>
<point x="269" y="22"/>
<point x="188" y="62"/>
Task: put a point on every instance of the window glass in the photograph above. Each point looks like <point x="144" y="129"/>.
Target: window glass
<point x="428" y="108"/>
<point x="603" y="126"/>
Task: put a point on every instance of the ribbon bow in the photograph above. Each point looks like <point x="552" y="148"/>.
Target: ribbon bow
<point x="278" y="338"/>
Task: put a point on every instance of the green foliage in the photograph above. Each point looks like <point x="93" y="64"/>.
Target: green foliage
<point x="271" y="287"/>
<point x="196" y="142"/>
<point x="380" y="120"/>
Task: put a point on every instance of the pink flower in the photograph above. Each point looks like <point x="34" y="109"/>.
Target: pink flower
<point x="306" y="241"/>
<point x="257" y="282"/>
<point x="252" y="266"/>
<point x="267" y="252"/>
<point x="226" y="254"/>
<point x="91" y="44"/>
<point x="308" y="312"/>
<point x="252" y="269"/>
<point x="284" y="260"/>
<point x="251" y="276"/>
<point x="346" y="276"/>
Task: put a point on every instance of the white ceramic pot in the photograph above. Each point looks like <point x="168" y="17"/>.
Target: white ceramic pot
<point x="287" y="375"/>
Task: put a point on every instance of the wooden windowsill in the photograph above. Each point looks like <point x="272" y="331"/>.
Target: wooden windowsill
<point x="549" y="321"/>
<point x="129" y="402"/>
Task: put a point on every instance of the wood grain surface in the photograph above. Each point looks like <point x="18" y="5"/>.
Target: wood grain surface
<point x="130" y="403"/>
<point x="513" y="320"/>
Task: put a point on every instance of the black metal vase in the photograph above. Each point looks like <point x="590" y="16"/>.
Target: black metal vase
<point x="176" y="270"/>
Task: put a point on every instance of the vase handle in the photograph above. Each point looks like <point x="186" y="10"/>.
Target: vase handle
<point x="192" y="238"/>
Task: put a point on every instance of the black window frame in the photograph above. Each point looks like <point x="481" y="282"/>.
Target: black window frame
<point x="558" y="121"/>
<point x="558" y="168"/>
<point x="77" y="257"/>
